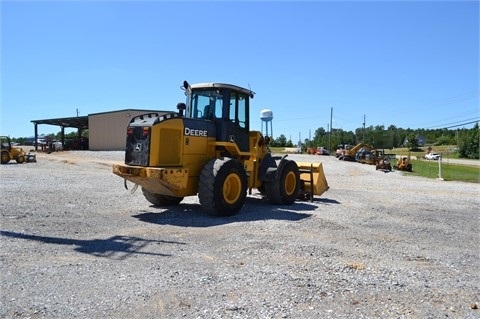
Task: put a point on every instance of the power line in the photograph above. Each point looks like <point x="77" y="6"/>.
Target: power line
<point x="463" y="124"/>
<point x="431" y="123"/>
<point x="470" y="95"/>
<point x="461" y="121"/>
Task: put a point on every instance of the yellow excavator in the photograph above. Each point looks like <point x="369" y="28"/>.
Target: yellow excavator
<point x="349" y="153"/>
<point x="206" y="148"/>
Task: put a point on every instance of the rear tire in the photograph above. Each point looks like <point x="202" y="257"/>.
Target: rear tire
<point x="5" y="157"/>
<point x="222" y="186"/>
<point x="161" y="200"/>
<point x="286" y="188"/>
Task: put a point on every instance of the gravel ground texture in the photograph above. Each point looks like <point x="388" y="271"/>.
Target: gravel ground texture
<point x="76" y="244"/>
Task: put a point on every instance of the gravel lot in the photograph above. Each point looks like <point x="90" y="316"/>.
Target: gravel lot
<point x="76" y="244"/>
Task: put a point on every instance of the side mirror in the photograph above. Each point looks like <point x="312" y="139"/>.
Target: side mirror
<point x="187" y="87"/>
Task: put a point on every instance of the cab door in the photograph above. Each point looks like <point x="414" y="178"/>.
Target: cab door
<point x="235" y="128"/>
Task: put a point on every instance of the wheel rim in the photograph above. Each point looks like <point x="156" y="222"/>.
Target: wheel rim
<point x="5" y="157"/>
<point x="290" y="183"/>
<point x="232" y="188"/>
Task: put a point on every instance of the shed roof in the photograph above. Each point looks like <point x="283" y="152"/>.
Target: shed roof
<point x="80" y="122"/>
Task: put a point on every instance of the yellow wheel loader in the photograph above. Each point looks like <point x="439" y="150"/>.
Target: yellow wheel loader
<point x="206" y="148"/>
<point x="10" y="152"/>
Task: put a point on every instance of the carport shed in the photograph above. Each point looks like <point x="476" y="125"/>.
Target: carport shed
<point x="106" y="131"/>
<point x="79" y="122"/>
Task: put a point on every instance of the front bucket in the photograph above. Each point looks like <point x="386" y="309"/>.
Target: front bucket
<point x="31" y="158"/>
<point x="313" y="172"/>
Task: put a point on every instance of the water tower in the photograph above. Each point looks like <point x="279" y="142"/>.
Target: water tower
<point x="266" y="116"/>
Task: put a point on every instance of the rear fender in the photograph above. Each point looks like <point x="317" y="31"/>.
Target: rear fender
<point x="269" y="169"/>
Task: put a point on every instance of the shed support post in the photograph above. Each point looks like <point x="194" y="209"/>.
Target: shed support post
<point x="35" y="126"/>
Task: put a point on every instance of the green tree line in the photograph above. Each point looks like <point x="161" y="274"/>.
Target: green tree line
<point x="467" y="140"/>
<point x="51" y="137"/>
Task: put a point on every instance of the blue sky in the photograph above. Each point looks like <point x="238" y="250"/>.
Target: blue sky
<point x="412" y="64"/>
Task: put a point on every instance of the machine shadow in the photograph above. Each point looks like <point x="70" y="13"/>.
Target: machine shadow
<point x="255" y="209"/>
<point x="328" y="201"/>
<point x="116" y="247"/>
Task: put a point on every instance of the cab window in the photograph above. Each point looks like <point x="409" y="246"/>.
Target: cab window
<point x="238" y="109"/>
<point x="206" y="104"/>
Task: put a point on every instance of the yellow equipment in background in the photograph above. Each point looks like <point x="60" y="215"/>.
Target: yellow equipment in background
<point x="403" y="164"/>
<point x="10" y="152"/>
<point x="349" y="153"/>
<point x="207" y="148"/>
<point x="367" y="155"/>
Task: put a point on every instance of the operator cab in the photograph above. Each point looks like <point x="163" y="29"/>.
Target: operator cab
<point x="226" y="105"/>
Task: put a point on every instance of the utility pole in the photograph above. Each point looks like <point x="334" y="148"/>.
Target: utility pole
<point x="363" y="139"/>
<point x="330" y="131"/>
<point x="77" y="112"/>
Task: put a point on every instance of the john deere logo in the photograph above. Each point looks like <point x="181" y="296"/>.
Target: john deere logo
<point x="138" y="147"/>
<point x="194" y="132"/>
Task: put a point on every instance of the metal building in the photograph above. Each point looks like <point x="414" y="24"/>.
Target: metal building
<point x="107" y="131"/>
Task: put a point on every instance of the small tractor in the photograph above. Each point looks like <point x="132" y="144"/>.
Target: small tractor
<point x="384" y="164"/>
<point x="207" y="149"/>
<point x="403" y="164"/>
<point x="10" y="152"/>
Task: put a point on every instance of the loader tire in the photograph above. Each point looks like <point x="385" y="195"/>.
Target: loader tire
<point x="286" y="188"/>
<point x="5" y="157"/>
<point x="222" y="186"/>
<point x="20" y="159"/>
<point x="161" y="200"/>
